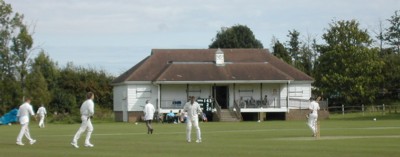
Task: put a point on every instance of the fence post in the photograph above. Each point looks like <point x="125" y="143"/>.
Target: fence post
<point x="342" y="109"/>
<point x="362" y="108"/>
<point x="383" y="109"/>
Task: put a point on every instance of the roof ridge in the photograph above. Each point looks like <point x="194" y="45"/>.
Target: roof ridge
<point x="130" y="72"/>
<point x="161" y="72"/>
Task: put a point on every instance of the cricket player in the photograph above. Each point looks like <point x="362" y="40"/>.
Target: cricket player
<point x="313" y="116"/>
<point x="41" y="112"/>
<point x="87" y="111"/>
<point x="25" y="110"/>
<point x="148" y="116"/>
<point x="193" y="111"/>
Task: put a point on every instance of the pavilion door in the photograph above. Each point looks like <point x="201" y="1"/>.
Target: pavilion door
<point x="221" y="96"/>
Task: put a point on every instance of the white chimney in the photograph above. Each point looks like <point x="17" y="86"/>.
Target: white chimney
<point x="219" y="57"/>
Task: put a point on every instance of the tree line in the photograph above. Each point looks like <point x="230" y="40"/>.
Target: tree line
<point x="348" y="67"/>
<point x="60" y="89"/>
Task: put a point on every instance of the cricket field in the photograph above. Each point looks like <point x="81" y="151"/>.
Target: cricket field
<point x="339" y="138"/>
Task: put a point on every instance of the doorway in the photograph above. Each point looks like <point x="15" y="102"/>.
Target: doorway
<point x="222" y="96"/>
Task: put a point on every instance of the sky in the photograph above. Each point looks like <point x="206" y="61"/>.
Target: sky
<point x="114" y="35"/>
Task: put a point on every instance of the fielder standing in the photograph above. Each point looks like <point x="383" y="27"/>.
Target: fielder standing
<point x="25" y="110"/>
<point x="42" y="114"/>
<point x="148" y="116"/>
<point x="313" y="116"/>
<point x="87" y="111"/>
<point x="193" y="111"/>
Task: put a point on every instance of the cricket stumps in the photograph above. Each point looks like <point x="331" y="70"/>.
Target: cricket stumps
<point x="318" y="133"/>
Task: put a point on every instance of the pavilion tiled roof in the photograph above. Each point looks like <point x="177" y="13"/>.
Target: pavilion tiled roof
<point x="191" y="65"/>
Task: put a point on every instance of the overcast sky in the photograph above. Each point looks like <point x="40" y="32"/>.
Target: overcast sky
<point x="114" y="35"/>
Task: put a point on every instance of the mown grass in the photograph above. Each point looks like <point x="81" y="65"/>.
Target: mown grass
<point x="366" y="116"/>
<point x="352" y="138"/>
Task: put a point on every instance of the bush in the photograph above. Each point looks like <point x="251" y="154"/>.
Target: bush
<point x="64" y="118"/>
<point x="103" y="114"/>
<point x="100" y="115"/>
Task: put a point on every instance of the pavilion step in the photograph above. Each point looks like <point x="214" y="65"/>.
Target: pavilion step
<point x="227" y="116"/>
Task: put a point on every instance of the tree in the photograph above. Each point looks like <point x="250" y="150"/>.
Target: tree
<point x="391" y="73"/>
<point x="348" y="69"/>
<point x="48" y="68"/>
<point x="78" y="81"/>
<point x="36" y="87"/>
<point x="62" y="90"/>
<point x="70" y="91"/>
<point x="15" y="41"/>
<point x="392" y="35"/>
<point x="21" y="47"/>
<point x="280" y="52"/>
<point x="380" y="38"/>
<point x="309" y="54"/>
<point x="42" y="79"/>
<point x="304" y="62"/>
<point x="99" y="82"/>
<point x="237" y="36"/>
<point x="300" y="52"/>
<point x="294" y="44"/>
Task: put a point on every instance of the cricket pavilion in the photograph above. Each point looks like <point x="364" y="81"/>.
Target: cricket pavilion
<point x="230" y="85"/>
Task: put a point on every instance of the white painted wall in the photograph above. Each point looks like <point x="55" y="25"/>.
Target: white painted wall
<point x="171" y="93"/>
<point x="247" y="91"/>
<point x="138" y="94"/>
<point x="272" y="90"/>
<point x="180" y="92"/>
<point x="119" y="97"/>
<point x="132" y="97"/>
<point x="300" y="93"/>
<point x="200" y="90"/>
<point x="300" y="90"/>
<point x="253" y="90"/>
<point x="283" y="91"/>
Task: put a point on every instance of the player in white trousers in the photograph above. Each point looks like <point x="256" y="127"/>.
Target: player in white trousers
<point x="148" y="116"/>
<point x="41" y="112"/>
<point x="193" y="111"/>
<point x="25" y="110"/>
<point x="87" y="111"/>
<point x="313" y="116"/>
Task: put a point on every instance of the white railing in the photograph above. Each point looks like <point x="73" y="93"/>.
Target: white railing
<point x="252" y="103"/>
<point x="268" y="103"/>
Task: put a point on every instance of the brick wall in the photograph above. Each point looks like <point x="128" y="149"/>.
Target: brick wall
<point x="133" y="116"/>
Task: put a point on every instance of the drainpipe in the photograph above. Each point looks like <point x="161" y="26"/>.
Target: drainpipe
<point x="125" y="116"/>
<point x="214" y="92"/>
<point x="187" y="91"/>
<point x="261" y="91"/>
<point x="158" y="100"/>
<point x="234" y="93"/>
<point x="287" y="98"/>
